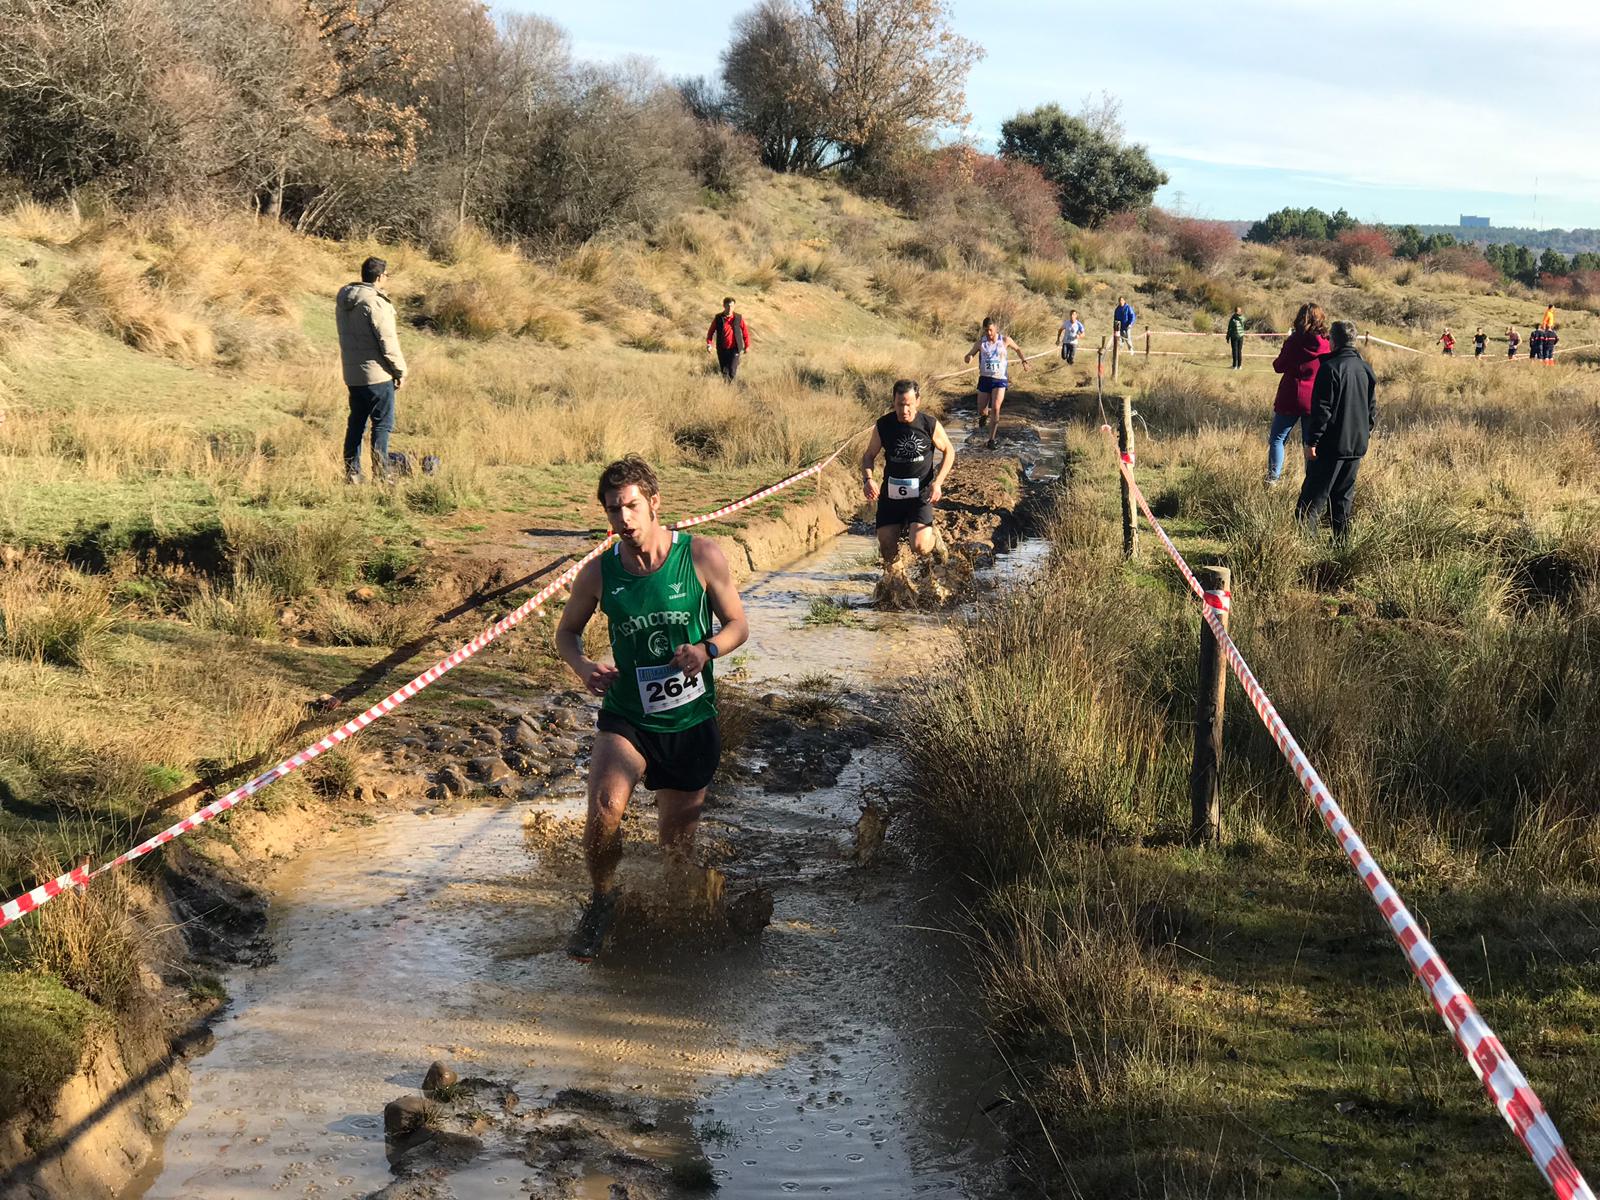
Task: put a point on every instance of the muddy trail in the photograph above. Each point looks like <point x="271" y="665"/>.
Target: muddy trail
<point x="840" y="1049"/>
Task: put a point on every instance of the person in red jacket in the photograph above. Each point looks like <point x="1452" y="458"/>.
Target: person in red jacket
<point x="1302" y="354"/>
<point x="729" y="336"/>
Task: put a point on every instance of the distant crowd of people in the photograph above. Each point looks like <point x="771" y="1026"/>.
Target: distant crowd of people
<point x="1542" y="340"/>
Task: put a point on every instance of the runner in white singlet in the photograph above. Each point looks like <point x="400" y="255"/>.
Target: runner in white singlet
<point x="991" y="352"/>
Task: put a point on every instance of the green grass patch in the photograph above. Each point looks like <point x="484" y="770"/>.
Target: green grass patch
<point x="46" y="1029"/>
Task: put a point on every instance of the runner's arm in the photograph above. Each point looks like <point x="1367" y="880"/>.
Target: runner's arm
<point x="943" y="444"/>
<point x="1021" y="353"/>
<point x="711" y="565"/>
<point x="585" y="598"/>
<point x="971" y="352"/>
<point x="869" y="457"/>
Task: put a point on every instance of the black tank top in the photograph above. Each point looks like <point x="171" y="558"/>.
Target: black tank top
<point x="909" y="447"/>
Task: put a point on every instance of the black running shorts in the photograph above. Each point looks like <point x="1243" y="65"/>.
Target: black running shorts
<point x="684" y="761"/>
<point x="916" y="511"/>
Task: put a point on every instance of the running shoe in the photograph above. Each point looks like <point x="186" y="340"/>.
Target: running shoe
<point x="983" y="418"/>
<point x="990" y="443"/>
<point x="590" y="934"/>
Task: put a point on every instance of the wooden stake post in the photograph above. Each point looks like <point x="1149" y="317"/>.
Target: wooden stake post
<point x="1147" y="345"/>
<point x="1205" y="807"/>
<point x="1130" y="513"/>
<point x="1116" y="344"/>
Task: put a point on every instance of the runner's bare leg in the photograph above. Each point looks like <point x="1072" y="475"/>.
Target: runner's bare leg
<point x="615" y="769"/>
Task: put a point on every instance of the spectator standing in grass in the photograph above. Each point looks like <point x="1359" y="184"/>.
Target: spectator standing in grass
<point x="374" y="368"/>
<point x="1551" y="337"/>
<point x="1302" y="353"/>
<point x="1536" y="337"/>
<point x="1549" y="321"/>
<point x="1344" y="408"/>
<point x="1448" y="341"/>
<point x="1236" y="337"/>
<point x="729" y="336"/>
<point x="1513" y="340"/>
<point x="1123" y="318"/>
<point x="1067" y="337"/>
<point x="1480" y="343"/>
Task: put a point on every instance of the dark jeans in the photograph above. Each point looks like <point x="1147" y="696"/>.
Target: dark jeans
<point x="1069" y="351"/>
<point x="1237" y="346"/>
<point x="374" y="403"/>
<point x="1330" y="484"/>
<point x="728" y="360"/>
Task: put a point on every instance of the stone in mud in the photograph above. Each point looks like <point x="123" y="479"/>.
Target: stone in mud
<point x="487" y="733"/>
<point x="405" y="1115"/>
<point x="490" y="768"/>
<point x="443" y="1151"/>
<point x="438" y="1079"/>
<point x="564" y="747"/>
<point x="364" y="594"/>
<point x="870" y="829"/>
<point x="527" y="738"/>
<point x="750" y="912"/>
<point x="453" y="781"/>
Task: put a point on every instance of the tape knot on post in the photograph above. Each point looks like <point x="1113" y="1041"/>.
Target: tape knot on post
<point x="1221" y="601"/>
<point x="1127" y="457"/>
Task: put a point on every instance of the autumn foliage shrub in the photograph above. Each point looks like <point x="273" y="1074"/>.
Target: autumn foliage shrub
<point x="1204" y="245"/>
<point x="1360" y="248"/>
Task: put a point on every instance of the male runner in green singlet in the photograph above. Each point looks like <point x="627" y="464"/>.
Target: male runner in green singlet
<point x="658" y="719"/>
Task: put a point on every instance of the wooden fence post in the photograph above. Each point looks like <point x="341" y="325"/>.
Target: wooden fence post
<point x="1205" y="807"/>
<point x="1130" y="512"/>
<point x="1147" y="345"/>
<point x="1100" y="373"/>
<point x="1116" y="343"/>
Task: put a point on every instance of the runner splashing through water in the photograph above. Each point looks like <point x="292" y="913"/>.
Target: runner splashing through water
<point x="918" y="458"/>
<point x="991" y="352"/>
<point x="658" y="721"/>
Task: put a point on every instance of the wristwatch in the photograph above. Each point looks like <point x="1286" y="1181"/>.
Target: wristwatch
<point x="711" y="648"/>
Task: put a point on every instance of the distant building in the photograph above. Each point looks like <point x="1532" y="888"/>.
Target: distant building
<point x="1475" y="222"/>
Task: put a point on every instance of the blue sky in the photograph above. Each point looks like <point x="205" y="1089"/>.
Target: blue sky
<point x="1397" y="111"/>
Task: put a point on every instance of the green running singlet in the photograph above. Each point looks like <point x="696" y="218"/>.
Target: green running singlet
<point x="651" y="616"/>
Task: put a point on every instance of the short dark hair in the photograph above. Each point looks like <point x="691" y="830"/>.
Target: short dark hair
<point x="373" y="269"/>
<point x="727" y="300"/>
<point x="1343" y="333"/>
<point x="904" y="386"/>
<point x="626" y="470"/>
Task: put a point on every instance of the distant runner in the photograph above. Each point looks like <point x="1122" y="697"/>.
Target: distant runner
<point x="990" y="351"/>
<point x="913" y="476"/>
<point x="1480" y="343"/>
<point x="1447" y="340"/>
<point x="1067" y="337"/>
<point x="658" y="722"/>
<point x="1513" y="340"/>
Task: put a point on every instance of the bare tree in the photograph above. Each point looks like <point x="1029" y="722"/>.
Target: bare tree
<point x="894" y="72"/>
<point x="488" y="75"/>
<point x="771" y="72"/>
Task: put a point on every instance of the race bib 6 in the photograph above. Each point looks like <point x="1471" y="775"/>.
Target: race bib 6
<point x="904" y="489"/>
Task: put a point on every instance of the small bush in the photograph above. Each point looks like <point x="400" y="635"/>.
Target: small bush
<point x="246" y="608"/>
<point x="110" y="292"/>
<point x="1050" y="278"/>
<point x="1361" y="248"/>
<point x="55" y="617"/>
<point x="291" y="561"/>
<point x="1203" y="245"/>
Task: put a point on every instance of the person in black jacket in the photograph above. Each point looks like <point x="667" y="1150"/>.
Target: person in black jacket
<point x="1344" y="408"/>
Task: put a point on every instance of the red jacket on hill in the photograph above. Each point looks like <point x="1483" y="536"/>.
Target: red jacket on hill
<point x="729" y="333"/>
<point x="1297" y="362"/>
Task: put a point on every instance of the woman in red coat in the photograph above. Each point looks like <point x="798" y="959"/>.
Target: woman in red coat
<point x="1303" y="351"/>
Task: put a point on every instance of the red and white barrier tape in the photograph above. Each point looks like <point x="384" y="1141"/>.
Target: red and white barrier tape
<point x="1507" y="1087"/>
<point x="12" y="910"/>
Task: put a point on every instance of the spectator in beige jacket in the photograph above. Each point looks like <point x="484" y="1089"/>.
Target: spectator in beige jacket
<point x="373" y="366"/>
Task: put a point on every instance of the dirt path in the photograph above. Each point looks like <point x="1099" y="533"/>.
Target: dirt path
<point x="839" y="1051"/>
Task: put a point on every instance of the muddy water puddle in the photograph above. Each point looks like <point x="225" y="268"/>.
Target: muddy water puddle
<point x="838" y="1053"/>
